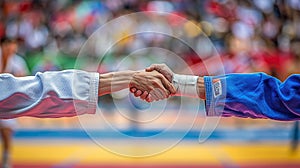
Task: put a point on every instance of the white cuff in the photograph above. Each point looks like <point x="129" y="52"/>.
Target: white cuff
<point x="186" y="85"/>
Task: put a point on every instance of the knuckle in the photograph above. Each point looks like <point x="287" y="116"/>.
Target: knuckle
<point x="160" y="76"/>
<point x="153" y="82"/>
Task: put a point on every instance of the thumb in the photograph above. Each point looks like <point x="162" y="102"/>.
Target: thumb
<point x="169" y="86"/>
<point x="149" y="69"/>
<point x="153" y="67"/>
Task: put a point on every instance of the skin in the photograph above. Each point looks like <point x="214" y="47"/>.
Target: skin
<point x="8" y="50"/>
<point x="168" y="74"/>
<point x="152" y="86"/>
<point x="6" y="135"/>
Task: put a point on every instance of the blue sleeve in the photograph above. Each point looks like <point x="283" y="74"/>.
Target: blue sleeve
<point x="49" y="95"/>
<point x="254" y="95"/>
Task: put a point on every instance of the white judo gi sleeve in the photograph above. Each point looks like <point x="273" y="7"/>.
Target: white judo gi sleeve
<point x="50" y="94"/>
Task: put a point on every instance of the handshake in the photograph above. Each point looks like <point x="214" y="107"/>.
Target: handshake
<point x="156" y="82"/>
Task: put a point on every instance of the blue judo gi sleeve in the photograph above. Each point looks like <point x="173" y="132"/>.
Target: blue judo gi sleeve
<point x="255" y="95"/>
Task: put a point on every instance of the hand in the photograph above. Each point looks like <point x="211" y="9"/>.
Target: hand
<point x="168" y="73"/>
<point x="151" y="86"/>
<point x="161" y="68"/>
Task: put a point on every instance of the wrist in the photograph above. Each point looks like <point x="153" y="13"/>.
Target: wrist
<point x="201" y="88"/>
<point x="186" y="85"/>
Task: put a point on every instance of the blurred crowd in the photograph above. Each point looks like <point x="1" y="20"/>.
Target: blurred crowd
<point x="249" y="35"/>
<point x="258" y="35"/>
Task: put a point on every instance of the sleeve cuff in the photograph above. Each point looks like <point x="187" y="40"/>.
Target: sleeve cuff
<point x="94" y="85"/>
<point x="215" y="91"/>
<point x="85" y="92"/>
<point x="208" y="94"/>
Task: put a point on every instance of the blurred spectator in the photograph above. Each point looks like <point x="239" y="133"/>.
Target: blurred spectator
<point x="14" y="64"/>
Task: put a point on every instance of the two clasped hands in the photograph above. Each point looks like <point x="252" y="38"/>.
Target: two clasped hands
<point x="156" y="82"/>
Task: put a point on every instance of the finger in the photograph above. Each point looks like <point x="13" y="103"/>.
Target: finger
<point x="138" y="93"/>
<point x="133" y="90"/>
<point x="169" y="86"/>
<point x="163" y="69"/>
<point x="154" y="95"/>
<point x="161" y="94"/>
<point x="151" y="68"/>
<point x="144" y="95"/>
<point x="149" y="98"/>
<point x="164" y="92"/>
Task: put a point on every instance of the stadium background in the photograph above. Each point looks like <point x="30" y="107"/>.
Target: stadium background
<point x="250" y="36"/>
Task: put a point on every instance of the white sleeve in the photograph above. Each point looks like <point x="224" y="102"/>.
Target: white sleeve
<point x="49" y="95"/>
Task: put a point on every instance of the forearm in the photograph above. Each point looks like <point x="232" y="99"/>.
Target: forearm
<point x="114" y="81"/>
